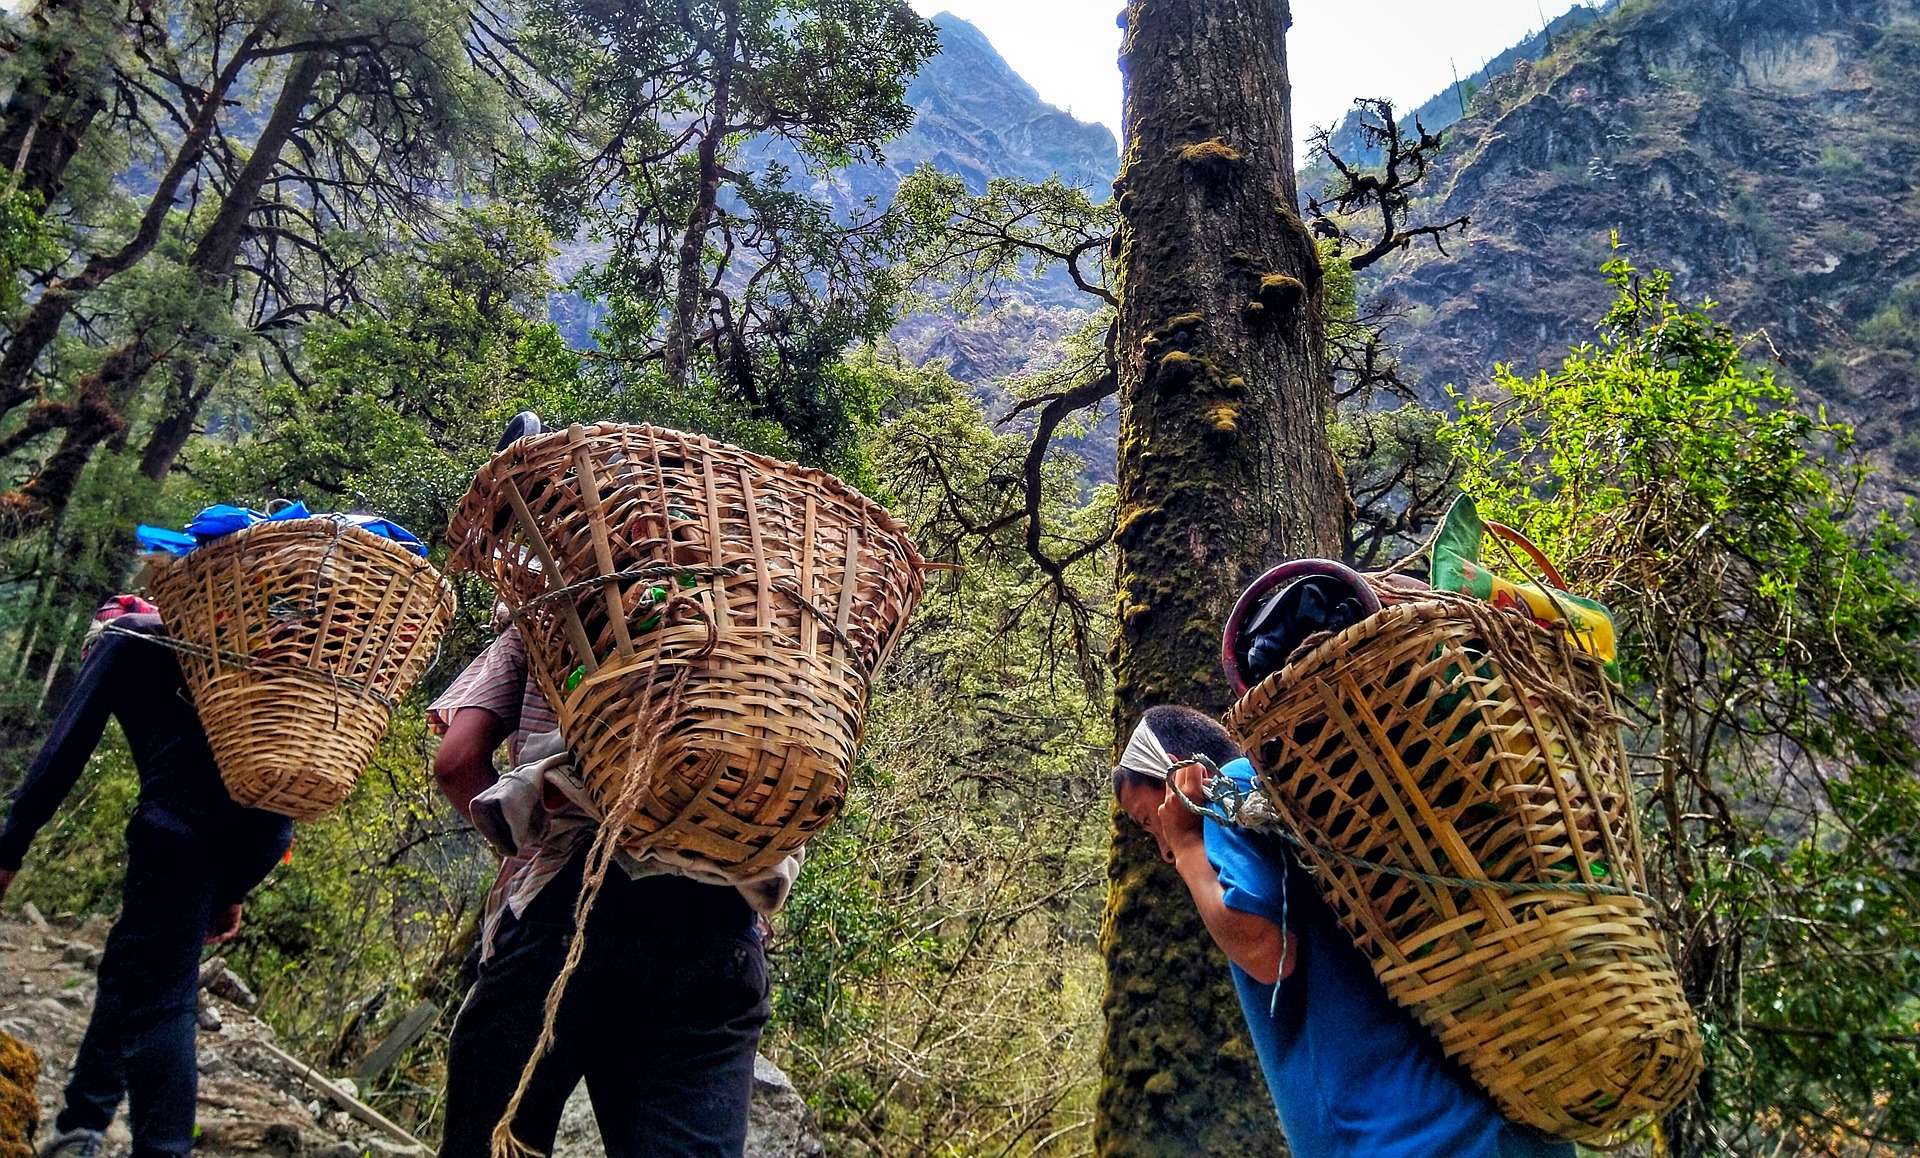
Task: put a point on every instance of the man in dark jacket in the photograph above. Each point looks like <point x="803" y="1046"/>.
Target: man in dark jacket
<point x="192" y="856"/>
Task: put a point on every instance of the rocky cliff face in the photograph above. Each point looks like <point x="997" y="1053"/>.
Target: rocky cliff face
<point x="1764" y="150"/>
<point x="975" y="118"/>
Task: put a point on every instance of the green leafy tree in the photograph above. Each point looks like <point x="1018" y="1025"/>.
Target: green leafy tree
<point x="670" y="135"/>
<point x="938" y="976"/>
<point x="1771" y="643"/>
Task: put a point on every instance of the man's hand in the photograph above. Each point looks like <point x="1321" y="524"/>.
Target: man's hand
<point x="223" y="925"/>
<point x="1178" y="828"/>
<point x="6" y="882"/>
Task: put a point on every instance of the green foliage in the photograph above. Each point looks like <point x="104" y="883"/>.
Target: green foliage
<point x="381" y="896"/>
<point x="1401" y="474"/>
<point x="80" y="858"/>
<point x="26" y="243"/>
<point x="970" y="247"/>
<point x="938" y="973"/>
<point x="672" y="134"/>
<point x="404" y="396"/>
<point x="1896" y="324"/>
<point x="1771" y="640"/>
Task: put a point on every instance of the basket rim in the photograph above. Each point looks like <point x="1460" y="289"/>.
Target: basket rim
<point x="317" y="527"/>
<point x="1437" y="605"/>
<point x="464" y="545"/>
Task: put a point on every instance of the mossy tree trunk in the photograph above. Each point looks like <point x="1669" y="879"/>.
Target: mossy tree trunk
<point x="1225" y="470"/>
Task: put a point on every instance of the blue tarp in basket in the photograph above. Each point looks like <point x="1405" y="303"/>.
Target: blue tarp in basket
<point x="220" y="520"/>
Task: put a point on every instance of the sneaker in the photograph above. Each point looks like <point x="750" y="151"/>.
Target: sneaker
<point x="74" y="1144"/>
<point x="525" y="424"/>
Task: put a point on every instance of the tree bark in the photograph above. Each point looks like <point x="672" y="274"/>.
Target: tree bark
<point x="1225" y="470"/>
<point x="691" y="277"/>
<point x="47" y="117"/>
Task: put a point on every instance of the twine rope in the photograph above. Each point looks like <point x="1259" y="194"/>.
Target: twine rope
<point x="280" y="668"/>
<point x="606" y="845"/>
<point x="1229" y="804"/>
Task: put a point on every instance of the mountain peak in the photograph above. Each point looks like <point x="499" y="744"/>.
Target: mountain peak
<point x="979" y="119"/>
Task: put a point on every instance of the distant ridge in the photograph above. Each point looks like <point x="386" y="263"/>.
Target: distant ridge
<point x="978" y="119"/>
<point x="1441" y="110"/>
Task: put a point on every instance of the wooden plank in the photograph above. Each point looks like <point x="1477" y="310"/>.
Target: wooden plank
<point x="412" y="1028"/>
<point x="342" y="1098"/>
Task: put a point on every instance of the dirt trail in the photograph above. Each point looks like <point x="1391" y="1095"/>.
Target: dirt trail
<point x="251" y="1103"/>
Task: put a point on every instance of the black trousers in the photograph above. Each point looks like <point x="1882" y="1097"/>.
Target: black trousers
<point x="662" y="1019"/>
<point x="140" y="1040"/>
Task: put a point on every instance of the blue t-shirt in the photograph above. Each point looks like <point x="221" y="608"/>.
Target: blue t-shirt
<point x="1352" y="1074"/>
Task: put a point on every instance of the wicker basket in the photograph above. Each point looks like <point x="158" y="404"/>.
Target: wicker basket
<point x="633" y="557"/>
<point x="1477" y="758"/>
<point x="296" y="638"/>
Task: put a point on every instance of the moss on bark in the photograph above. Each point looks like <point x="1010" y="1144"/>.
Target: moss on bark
<point x="19" y="1097"/>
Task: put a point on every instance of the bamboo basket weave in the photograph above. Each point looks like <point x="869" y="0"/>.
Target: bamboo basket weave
<point x="1476" y="759"/>
<point x="296" y="639"/>
<point x="785" y="591"/>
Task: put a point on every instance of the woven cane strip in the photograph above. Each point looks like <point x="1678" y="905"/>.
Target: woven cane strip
<point x="1444" y="739"/>
<point x="791" y="590"/>
<point x="296" y="639"/>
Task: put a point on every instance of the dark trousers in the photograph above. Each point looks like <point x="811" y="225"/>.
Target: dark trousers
<point x="140" y="1041"/>
<point x="662" y="1018"/>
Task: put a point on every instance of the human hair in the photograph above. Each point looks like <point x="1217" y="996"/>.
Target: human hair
<point x="1183" y="732"/>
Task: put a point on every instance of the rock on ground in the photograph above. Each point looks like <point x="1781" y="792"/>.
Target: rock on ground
<point x="251" y="1104"/>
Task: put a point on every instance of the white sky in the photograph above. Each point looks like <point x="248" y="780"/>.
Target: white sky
<point x="1400" y="49"/>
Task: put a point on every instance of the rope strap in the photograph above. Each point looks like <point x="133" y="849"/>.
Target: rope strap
<point x="275" y="668"/>
<point x="1251" y="809"/>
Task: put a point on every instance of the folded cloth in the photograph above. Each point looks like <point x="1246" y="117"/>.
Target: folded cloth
<point x="1310" y="607"/>
<point x="540" y="811"/>
<point x="1145" y="755"/>
<point x="1457" y="567"/>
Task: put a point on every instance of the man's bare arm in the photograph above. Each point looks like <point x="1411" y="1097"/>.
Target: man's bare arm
<point x="463" y="768"/>
<point x="1257" y="945"/>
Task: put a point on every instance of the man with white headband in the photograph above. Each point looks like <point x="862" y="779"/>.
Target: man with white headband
<point x="1351" y="1073"/>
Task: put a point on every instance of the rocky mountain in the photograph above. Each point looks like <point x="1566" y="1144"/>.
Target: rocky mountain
<point x="976" y="118"/>
<point x="1444" y="108"/>
<point x="1763" y="150"/>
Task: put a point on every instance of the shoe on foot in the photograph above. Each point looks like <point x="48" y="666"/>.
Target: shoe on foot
<point x="525" y="424"/>
<point x="74" y="1144"/>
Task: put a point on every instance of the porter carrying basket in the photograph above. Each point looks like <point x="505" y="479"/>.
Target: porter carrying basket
<point x="723" y="610"/>
<point x="297" y="638"/>
<point x="1453" y="774"/>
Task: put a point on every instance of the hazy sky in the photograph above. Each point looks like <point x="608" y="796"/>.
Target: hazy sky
<point x="1339" y="50"/>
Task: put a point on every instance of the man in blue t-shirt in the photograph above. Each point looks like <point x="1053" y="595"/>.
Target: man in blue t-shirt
<point x="1351" y="1073"/>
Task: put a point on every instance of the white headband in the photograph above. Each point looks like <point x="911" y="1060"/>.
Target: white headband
<point x="1145" y="754"/>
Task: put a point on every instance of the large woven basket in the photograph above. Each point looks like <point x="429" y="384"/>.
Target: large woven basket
<point x="636" y="558"/>
<point x="297" y="638"/>
<point x="1455" y="777"/>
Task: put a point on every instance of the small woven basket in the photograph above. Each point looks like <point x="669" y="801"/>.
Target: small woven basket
<point x="634" y="558"/>
<point x="297" y="638"/>
<point x="1472" y="761"/>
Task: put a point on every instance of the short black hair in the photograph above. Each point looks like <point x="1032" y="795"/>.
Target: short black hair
<point x="1182" y="732"/>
